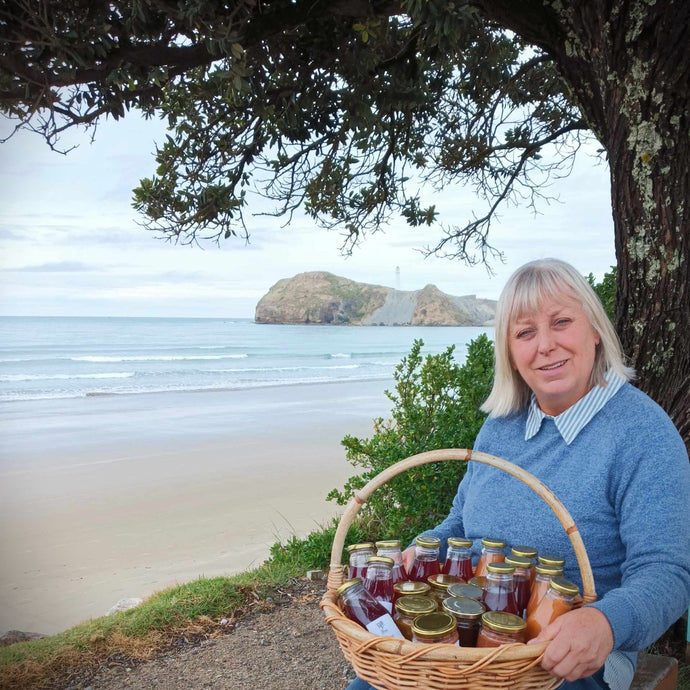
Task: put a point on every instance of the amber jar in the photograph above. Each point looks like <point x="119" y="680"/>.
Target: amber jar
<point x="410" y="587"/>
<point x="541" y="585"/>
<point x="439" y="586"/>
<point x="468" y="614"/>
<point x="498" y="628"/>
<point x="492" y="552"/>
<point x="408" y="608"/>
<point x="435" y="628"/>
<point x="465" y="589"/>
<point x="559" y="599"/>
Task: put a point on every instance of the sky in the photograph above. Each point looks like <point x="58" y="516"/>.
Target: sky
<point x="71" y="243"/>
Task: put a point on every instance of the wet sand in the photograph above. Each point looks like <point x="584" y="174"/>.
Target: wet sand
<point x="120" y="496"/>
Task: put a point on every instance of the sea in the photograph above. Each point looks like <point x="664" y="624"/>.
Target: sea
<point x="75" y="357"/>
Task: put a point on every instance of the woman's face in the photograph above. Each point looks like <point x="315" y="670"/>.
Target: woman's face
<point x="553" y="350"/>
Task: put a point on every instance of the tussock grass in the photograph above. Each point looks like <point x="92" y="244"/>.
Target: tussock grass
<point x="189" y="610"/>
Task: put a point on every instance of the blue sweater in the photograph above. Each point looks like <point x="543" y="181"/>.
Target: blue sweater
<point x="625" y="480"/>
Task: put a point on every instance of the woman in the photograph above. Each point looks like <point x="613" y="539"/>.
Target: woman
<point x="561" y="407"/>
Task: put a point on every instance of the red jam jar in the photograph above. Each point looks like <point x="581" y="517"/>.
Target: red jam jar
<point x="435" y="628"/>
<point x="522" y="580"/>
<point x="358" y="554"/>
<point x="408" y="608"/>
<point x="425" y="562"/>
<point x="499" y="588"/>
<point x="379" y="580"/>
<point x="391" y="549"/>
<point x="459" y="558"/>
<point x="468" y="614"/>
<point x="498" y="628"/>
<point x="360" y="606"/>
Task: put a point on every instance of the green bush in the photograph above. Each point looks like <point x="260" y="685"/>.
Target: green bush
<point x="435" y="405"/>
<point x="606" y="291"/>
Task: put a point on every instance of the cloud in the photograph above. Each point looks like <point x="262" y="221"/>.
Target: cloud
<point x="55" y="267"/>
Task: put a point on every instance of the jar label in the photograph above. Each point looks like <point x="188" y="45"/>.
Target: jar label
<point x="384" y="626"/>
<point x="386" y="605"/>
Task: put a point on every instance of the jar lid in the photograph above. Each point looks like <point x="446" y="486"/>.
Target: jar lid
<point x="428" y="542"/>
<point x="518" y="561"/>
<point x="415" y="605"/>
<point x="560" y="584"/>
<point x="464" y="607"/>
<point x="459" y="541"/>
<point x="500" y="568"/>
<point x="550" y="559"/>
<point x="552" y="570"/>
<point x="465" y="589"/>
<point x="433" y="624"/>
<point x="408" y="587"/>
<point x="363" y="545"/>
<point x="493" y="543"/>
<point x="500" y="621"/>
<point x="443" y="581"/>
<point x="477" y="581"/>
<point x="388" y="544"/>
<point x="524" y="551"/>
<point x="347" y="585"/>
<point x="384" y="560"/>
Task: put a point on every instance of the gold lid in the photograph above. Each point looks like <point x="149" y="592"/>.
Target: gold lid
<point x="503" y="622"/>
<point x="493" y="543"/>
<point x="518" y="561"/>
<point x="381" y="559"/>
<point x="415" y="605"/>
<point x="388" y="544"/>
<point x="363" y="545"/>
<point x="477" y="581"/>
<point x="428" y="542"/>
<point x="347" y="585"/>
<point x="500" y="568"/>
<point x="560" y="584"/>
<point x="550" y="559"/>
<point x="408" y="587"/>
<point x="464" y="607"/>
<point x="442" y="581"/>
<point x="524" y="551"/>
<point x="465" y="590"/>
<point x="433" y="624"/>
<point x="459" y="541"/>
<point x="552" y="570"/>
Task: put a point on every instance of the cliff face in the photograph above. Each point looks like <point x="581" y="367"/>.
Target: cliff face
<point x="324" y="298"/>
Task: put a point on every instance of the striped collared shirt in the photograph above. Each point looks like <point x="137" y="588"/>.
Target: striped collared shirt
<point x="571" y="422"/>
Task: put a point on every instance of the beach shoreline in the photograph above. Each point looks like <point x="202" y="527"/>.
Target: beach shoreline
<point x="120" y="496"/>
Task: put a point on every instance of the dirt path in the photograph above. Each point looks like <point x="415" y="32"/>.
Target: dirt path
<point x="287" y="647"/>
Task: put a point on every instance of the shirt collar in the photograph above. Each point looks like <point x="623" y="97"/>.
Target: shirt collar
<point x="571" y="422"/>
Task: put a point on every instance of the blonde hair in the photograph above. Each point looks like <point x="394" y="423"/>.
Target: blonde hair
<point x="525" y="290"/>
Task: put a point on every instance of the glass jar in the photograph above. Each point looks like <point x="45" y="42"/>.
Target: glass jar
<point x="358" y="554"/>
<point x="499" y="589"/>
<point x="408" y="608"/>
<point x="435" y="628"/>
<point x="478" y="581"/>
<point x="526" y="552"/>
<point x="391" y="549"/>
<point x="360" y="606"/>
<point x="439" y="586"/>
<point x="459" y="558"/>
<point x="543" y="576"/>
<point x="559" y="599"/>
<point x="379" y="580"/>
<point x="410" y="587"/>
<point x="464" y="589"/>
<point x="492" y="552"/>
<point x="522" y="581"/>
<point x="468" y="614"/>
<point x="498" y="628"/>
<point x="425" y="562"/>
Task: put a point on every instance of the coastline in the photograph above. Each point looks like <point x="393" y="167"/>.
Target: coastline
<point x="120" y="496"/>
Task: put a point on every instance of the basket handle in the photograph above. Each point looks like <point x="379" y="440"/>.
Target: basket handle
<point x="335" y="575"/>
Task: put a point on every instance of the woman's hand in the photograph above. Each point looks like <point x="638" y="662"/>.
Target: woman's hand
<point x="408" y="556"/>
<point x="580" y="642"/>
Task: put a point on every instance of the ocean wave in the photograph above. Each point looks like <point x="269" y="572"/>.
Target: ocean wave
<point x="152" y="358"/>
<point x="240" y="370"/>
<point x="339" y="355"/>
<point x="7" y="378"/>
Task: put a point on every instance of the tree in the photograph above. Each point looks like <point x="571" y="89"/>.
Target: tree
<point x="342" y="106"/>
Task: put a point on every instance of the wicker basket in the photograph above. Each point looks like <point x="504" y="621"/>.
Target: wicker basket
<point x="389" y="663"/>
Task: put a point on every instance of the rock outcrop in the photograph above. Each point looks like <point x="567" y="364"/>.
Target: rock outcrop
<point x="323" y="298"/>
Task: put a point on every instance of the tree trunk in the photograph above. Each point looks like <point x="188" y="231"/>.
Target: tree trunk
<point x="628" y="69"/>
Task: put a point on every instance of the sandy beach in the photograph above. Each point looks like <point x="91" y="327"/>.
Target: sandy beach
<point x="108" y="497"/>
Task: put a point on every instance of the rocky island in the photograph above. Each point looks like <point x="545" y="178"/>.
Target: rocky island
<point x="319" y="297"/>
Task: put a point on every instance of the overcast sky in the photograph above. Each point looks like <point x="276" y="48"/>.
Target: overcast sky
<point x="70" y="243"/>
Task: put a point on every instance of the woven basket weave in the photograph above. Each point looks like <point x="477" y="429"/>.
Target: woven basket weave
<point x="390" y="663"/>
